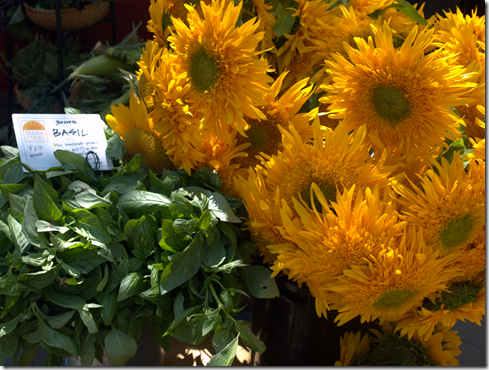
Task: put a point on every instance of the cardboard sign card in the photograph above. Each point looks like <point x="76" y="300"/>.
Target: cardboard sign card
<point x="40" y="135"/>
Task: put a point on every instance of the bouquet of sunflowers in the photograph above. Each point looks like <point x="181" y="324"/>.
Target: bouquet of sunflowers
<point x="354" y="133"/>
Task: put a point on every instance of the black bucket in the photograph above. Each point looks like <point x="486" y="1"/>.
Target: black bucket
<point x="292" y="331"/>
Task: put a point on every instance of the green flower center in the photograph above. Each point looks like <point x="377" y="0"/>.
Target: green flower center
<point x="390" y="103"/>
<point x="328" y="191"/>
<point x="204" y="70"/>
<point x="456" y="232"/>
<point x="394" y="299"/>
<point x="138" y="141"/>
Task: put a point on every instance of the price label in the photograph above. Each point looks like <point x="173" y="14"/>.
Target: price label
<point x="40" y="135"/>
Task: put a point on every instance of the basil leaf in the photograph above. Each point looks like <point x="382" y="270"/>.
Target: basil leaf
<point x="57" y="339"/>
<point x="284" y="22"/>
<point x="28" y="224"/>
<point x="65" y="300"/>
<point x="143" y="239"/>
<point x="120" y="185"/>
<point x="142" y="201"/>
<point x="409" y="10"/>
<point x="109" y="301"/>
<point x="115" y="149"/>
<point x="17" y="204"/>
<point x="257" y="279"/>
<point x="183" y="266"/>
<point x="131" y="284"/>
<point x="84" y="260"/>
<point x="227" y="355"/>
<point x="88" y="225"/>
<point x="85" y="171"/>
<point x="18" y="237"/>
<point x="248" y="337"/>
<point x="58" y="321"/>
<point x="222" y="337"/>
<point x="44" y="205"/>
<point x="119" y="347"/>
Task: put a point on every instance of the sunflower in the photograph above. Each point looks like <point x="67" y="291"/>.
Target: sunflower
<point x="297" y="53"/>
<point x="344" y="27"/>
<point x="449" y="207"/>
<point x="334" y="161"/>
<point x="393" y="282"/>
<point x="176" y="126"/>
<point x="325" y="244"/>
<point x="368" y="6"/>
<point x="226" y="77"/>
<point x="220" y="156"/>
<point x="354" y="349"/>
<point x="402" y="24"/>
<point x="462" y="36"/>
<point x="470" y="305"/>
<point x="263" y="206"/>
<point x="267" y="21"/>
<point x="402" y="95"/>
<point x="392" y="349"/>
<point x="160" y="21"/>
<point x="479" y="145"/>
<point x="147" y="65"/>
<point x="265" y="136"/>
<point x="138" y="135"/>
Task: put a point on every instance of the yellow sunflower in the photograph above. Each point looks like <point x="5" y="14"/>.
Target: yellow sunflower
<point x="393" y="282"/>
<point x="353" y="348"/>
<point x="325" y="244"/>
<point x="147" y="65"/>
<point x="344" y="27"/>
<point x="138" y="135"/>
<point x="368" y="6"/>
<point x="220" y="156"/>
<point x="422" y="321"/>
<point x="297" y="53"/>
<point x="334" y="161"/>
<point x="263" y="206"/>
<point x="402" y="95"/>
<point x="450" y="205"/>
<point x="267" y="21"/>
<point x="177" y="127"/>
<point x="462" y="36"/>
<point x="479" y="145"/>
<point x="226" y="77"/>
<point x="160" y="22"/>
<point x="265" y="136"/>
<point x="392" y="349"/>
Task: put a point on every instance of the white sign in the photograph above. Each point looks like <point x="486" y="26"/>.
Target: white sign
<point x="40" y="135"/>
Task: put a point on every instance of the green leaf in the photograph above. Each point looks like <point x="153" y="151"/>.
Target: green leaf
<point x="38" y="280"/>
<point x="214" y="254"/>
<point x="226" y="356"/>
<point x="15" y="174"/>
<point x="44" y="205"/>
<point x="88" y="225"/>
<point x="222" y="337"/>
<point x="143" y="239"/>
<point x="257" y="279"/>
<point x="134" y="164"/>
<point x="88" y="320"/>
<point x="28" y="355"/>
<point x="17" y="204"/>
<point x="18" y="237"/>
<point x="85" y="171"/>
<point x="109" y="301"/>
<point x="409" y="10"/>
<point x="120" y="185"/>
<point x="142" y="201"/>
<point x="183" y="266"/>
<point x="190" y="331"/>
<point x="248" y="337"/>
<point x="156" y="185"/>
<point x="10" y="152"/>
<point x="285" y="21"/>
<point x="44" y="226"/>
<point x="104" y="281"/>
<point x="57" y="339"/>
<point x="58" y="321"/>
<point x="131" y="284"/>
<point x="53" y="194"/>
<point x="84" y="260"/>
<point x="65" y="300"/>
<point x="119" y="347"/>
<point x="115" y="148"/>
<point x="211" y="321"/>
<point x="87" y="349"/>
<point x="9" y="326"/>
<point x="181" y="317"/>
<point x="70" y="110"/>
<point x="86" y="196"/>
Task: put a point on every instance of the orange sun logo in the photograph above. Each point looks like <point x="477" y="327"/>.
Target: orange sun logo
<point x="34" y="132"/>
<point x="33" y="125"/>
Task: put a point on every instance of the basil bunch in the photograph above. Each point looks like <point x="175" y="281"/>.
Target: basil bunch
<point x="87" y="258"/>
